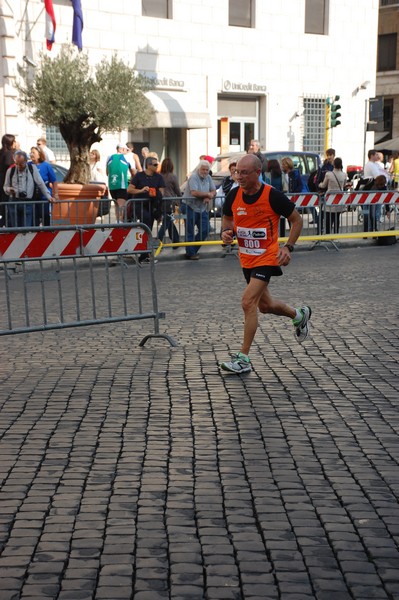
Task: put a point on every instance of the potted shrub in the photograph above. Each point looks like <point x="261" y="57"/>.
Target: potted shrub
<point x="84" y="103"/>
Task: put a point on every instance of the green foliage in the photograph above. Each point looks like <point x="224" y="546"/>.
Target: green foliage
<point x="65" y="90"/>
<point x="85" y="102"/>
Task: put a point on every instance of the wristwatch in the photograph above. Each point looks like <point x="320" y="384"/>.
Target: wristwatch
<point x="290" y="247"/>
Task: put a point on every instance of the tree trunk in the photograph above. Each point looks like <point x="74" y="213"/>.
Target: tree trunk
<point x="79" y="141"/>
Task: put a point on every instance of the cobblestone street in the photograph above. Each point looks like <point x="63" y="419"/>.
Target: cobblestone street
<point x="146" y="474"/>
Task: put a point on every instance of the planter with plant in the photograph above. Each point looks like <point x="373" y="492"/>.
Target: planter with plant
<point x="84" y="102"/>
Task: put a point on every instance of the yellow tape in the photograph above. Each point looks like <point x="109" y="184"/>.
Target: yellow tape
<point x="302" y="238"/>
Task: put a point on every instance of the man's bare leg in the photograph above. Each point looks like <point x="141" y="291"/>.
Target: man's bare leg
<point x="257" y="296"/>
<point x="120" y="210"/>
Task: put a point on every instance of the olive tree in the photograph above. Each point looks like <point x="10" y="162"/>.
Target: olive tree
<point x="85" y="102"/>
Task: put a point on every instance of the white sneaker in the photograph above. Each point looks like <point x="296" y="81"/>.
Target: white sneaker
<point x="240" y="364"/>
<point x="302" y="326"/>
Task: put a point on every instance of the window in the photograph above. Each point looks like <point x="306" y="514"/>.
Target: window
<point x="157" y="8"/>
<point x="387" y="52"/>
<point x="314" y="124"/>
<point x="388" y="116"/>
<point x="242" y="13"/>
<point x="56" y="142"/>
<point x="316" y="17"/>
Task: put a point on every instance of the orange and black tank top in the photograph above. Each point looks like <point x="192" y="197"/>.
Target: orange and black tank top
<point x="256" y="226"/>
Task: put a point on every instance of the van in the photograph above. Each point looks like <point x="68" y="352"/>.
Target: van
<point x="306" y="162"/>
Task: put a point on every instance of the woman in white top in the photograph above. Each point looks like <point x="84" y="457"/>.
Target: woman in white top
<point x="334" y="181"/>
<point x="96" y="172"/>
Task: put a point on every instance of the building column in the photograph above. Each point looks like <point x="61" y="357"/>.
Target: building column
<point x="8" y="70"/>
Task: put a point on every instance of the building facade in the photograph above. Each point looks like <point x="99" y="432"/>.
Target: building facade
<point x="388" y="72"/>
<point x="223" y="72"/>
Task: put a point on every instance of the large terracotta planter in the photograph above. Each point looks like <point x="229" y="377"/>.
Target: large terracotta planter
<point x="77" y="204"/>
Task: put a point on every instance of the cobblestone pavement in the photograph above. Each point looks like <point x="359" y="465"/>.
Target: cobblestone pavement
<point x="146" y="474"/>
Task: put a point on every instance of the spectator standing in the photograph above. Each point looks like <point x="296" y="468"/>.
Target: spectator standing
<point x="254" y="148"/>
<point x="381" y="166"/>
<point x="96" y="171"/>
<point x="48" y="153"/>
<point x="118" y="169"/>
<point x="172" y="190"/>
<point x="275" y="174"/>
<point x="372" y="170"/>
<point x="334" y="181"/>
<point x="230" y="179"/>
<point x="147" y="188"/>
<point x="20" y="184"/>
<point x="8" y="147"/>
<point x="295" y="184"/>
<point x="394" y="169"/>
<point x="41" y="212"/>
<point x="327" y="166"/>
<point x="144" y="153"/>
<point x="199" y="192"/>
<point x="133" y="158"/>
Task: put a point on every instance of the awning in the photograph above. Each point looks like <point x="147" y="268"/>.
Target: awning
<point x="177" y="109"/>
<point x="388" y="145"/>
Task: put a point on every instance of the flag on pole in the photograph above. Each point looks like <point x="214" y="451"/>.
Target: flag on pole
<point x="77" y="27"/>
<point x="50" y="23"/>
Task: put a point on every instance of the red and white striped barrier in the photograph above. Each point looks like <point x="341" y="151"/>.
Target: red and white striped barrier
<point x="361" y="198"/>
<point x="62" y="243"/>
<point x="304" y="200"/>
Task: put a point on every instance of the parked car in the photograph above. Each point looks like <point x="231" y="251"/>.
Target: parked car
<point x="60" y="173"/>
<point x="353" y="170"/>
<point x="306" y="162"/>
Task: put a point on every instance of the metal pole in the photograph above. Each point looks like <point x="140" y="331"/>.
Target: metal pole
<point x="365" y="130"/>
<point x="327" y="126"/>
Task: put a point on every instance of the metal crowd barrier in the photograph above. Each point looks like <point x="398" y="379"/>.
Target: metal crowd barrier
<point x="23" y="213"/>
<point x="59" y="277"/>
<point x="338" y="214"/>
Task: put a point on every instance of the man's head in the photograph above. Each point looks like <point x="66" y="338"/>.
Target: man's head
<point x="152" y="164"/>
<point x="330" y="155"/>
<point x="373" y="155"/>
<point x="122" y="149"/>
<point x="203" y="168"/>
<point x="254" y="146"/>
<point x="145" y="151"/>
<point x="248" y="170"/>
<point x="41" y="142"/>
<point x="21" y="158"/>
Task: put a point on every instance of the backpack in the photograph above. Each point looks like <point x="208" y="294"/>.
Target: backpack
<point x="313" y="181"/>
<point x="37" y="192"/>
<point x="364" y="184"/>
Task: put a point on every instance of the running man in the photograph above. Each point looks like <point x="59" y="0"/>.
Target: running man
<point x="252" y="213"/>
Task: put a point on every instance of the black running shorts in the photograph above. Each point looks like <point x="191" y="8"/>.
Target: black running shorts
<point x="118" y="194"/>
<point x="262" y="273"/>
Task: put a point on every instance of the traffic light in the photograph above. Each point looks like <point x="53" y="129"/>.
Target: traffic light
<point x="334" y="112"/>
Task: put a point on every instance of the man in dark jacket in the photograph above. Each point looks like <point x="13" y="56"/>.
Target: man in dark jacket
<point x="254" y="148"/>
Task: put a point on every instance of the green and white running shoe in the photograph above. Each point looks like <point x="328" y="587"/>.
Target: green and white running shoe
<point x="302" y="325"/>
<point x="240" y="363"/>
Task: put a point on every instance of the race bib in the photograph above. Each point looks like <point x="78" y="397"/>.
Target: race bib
<point x="252" y="241"/>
